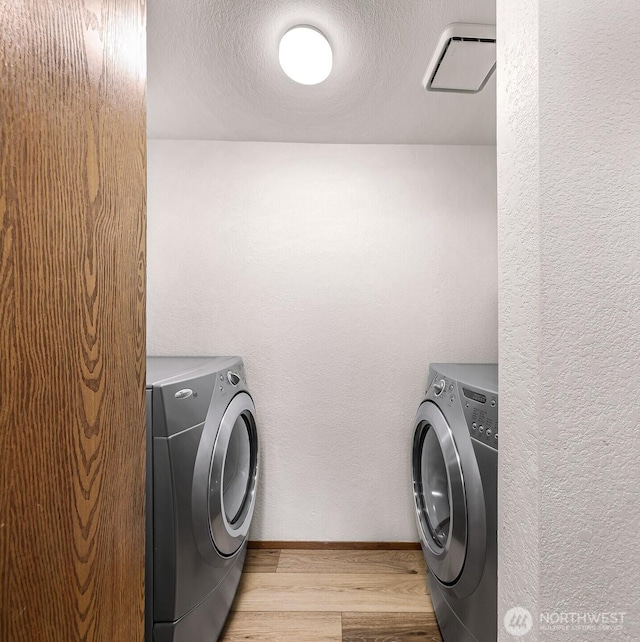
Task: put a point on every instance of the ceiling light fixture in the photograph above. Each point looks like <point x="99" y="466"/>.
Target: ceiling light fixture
<point x="305" y="55"/>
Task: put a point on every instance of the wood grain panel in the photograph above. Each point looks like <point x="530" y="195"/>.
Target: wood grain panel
<point x="72" y="308"/>
<point x="336" y="546"/>
<point x="261" y="561"/>
<point x="332" y="592"/>
<point x="411" y="562"/>
<point x="282" y="627"/>
<point x="390" y="627"/>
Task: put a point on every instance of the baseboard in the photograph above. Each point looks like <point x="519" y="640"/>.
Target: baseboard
<point x="336" y="546"/>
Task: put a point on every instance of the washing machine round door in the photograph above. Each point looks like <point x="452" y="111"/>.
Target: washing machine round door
<point x="233" y="475"/>
<point x="439" y="494"/>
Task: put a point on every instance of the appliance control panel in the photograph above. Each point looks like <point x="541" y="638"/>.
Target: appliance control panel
<point x="231" y="378"/>
<point x="481" y="413"/>
<point x="443" y="389"/>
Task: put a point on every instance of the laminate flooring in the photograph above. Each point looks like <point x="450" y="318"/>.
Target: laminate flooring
<point x="332" y="596"/>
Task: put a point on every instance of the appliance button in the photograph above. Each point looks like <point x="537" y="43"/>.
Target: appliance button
<point x="474" y="425"/>
<point x="233" y="378"/>
<point x="495" y="437"/>
<point x="438" y="387"/>
<point x="489" y="433"/>
<point x="493" y="403"/>
<point x="481" y="430"/>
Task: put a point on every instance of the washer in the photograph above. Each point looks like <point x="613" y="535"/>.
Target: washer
<point x="455" y="482"/>
<point x="202" y="470"/>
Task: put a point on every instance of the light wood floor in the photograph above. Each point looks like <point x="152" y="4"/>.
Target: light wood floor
<point x="332" y="596"/>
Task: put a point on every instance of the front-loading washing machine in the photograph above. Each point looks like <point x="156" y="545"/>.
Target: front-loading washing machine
<point x="202" y="470"/>
<point x="455" y="481"/>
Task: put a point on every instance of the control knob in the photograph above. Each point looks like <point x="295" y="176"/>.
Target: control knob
<point x="439" y="386"/>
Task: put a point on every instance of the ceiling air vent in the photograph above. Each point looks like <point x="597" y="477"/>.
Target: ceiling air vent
<point x="464" y="59"/>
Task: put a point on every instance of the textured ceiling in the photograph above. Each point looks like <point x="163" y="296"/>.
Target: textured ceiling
<point x="213" y="73"/>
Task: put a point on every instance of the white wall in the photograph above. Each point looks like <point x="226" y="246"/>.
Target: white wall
<point x="338" y="272"/>
<point x="519" y="283"/>
<point x="570" y="409"/>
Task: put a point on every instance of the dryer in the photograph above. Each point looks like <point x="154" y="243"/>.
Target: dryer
<point x="202" y="471"/>
<point x="455" y="475"/>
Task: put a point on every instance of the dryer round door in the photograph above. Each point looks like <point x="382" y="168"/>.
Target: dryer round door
<point x="439" y="494"/>
<point x="233" y="476"/>
<point x="225" y="479"/>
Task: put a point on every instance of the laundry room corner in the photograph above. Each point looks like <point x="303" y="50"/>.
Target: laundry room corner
<point x="320" y="321"/>
<point x="338" y="272"/>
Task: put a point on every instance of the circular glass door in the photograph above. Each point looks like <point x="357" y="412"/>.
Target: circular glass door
<point x="435" y="496"/>
<point x="233" y="475"/>
<point x="439" y="494"/>
<point x="236" y="473"/>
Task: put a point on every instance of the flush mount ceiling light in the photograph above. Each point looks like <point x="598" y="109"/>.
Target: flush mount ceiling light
<point x="305" y="55"/>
